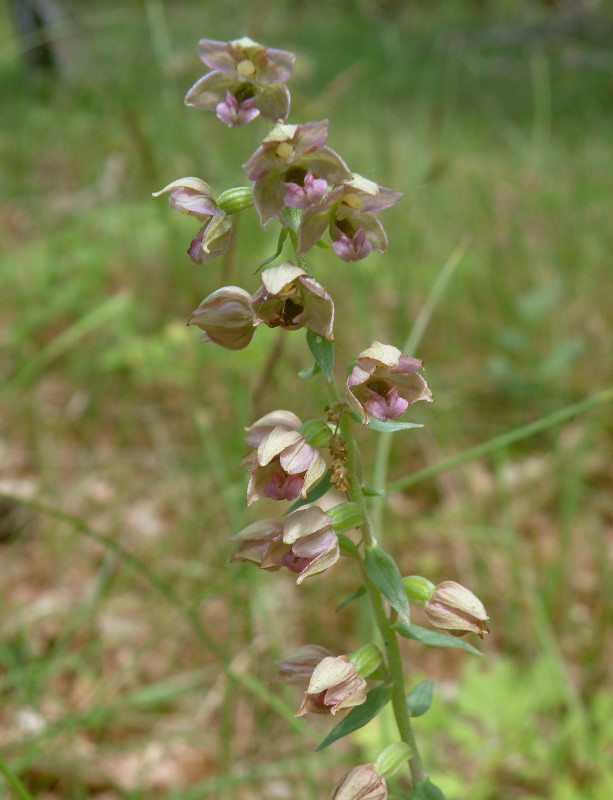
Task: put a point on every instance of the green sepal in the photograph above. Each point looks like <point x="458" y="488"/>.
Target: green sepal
<point x="391" y="425"/>
<point x="419" y="699"/>
<point x="278" y="251"/>
<point x="323" y="245"/>
<point x="309" y="372"/>
<point x="384" y="573"/>
<point x="323" y="353"/>
<point x="433" y="638"/>
<point x="316" y="432"/>
<point x="324" y="485"/>
<point x="347" y="547"/>
<point x="346" y="517"/>
<point x="426" y="790"/>
<point x="360" y="592"/>
<point x="376" y="699"/>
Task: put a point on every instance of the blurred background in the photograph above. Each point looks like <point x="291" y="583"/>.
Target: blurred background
<point x="134" y="661"/>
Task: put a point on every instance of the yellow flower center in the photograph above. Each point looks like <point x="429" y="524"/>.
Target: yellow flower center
<point x="352" y="200"/>
<point x="285" y="150"/>
<point x="246" y="68"/>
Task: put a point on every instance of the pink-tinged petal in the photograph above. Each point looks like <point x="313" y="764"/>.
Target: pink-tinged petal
<point x="299" y="665"/>
<point x="208" y="91"/>
<point x="360" y="783"/>
<point x="273" y="101"/>
<point x="385" y="407"/>
<point x="274" y="66"/>
<point x="311" y="135"/>
<point x="235" y="114"/>
<point x="412" y="387"/>
<point x="310" y="194"/>
<point x="251" y="551"/>
<point x="190" y="196"/>
<point x="365" y="195"/>
<point x="325" y="163"/>
<point x="217" y="55"/>
<point x="283" y="487"/>
<point x="351" y="249"/>
<point x="318" y="308"/>
<point x="278" y="440"/>
<point x="321" y="563"/>
<point x="265" y="530"/>
<point x="305" y="522"/>
<point x="297" y="458"/>
<point x="313" y="474"/>
<point x="263" y="426"/>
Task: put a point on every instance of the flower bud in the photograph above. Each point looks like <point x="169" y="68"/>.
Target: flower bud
<point x="226" y="318"/>
<point x="236" y="199"/>
<point x="360" y="783"/>
<point x="419" y="590"/>
<point x="334" y="686"/>
<point x="366" y="660"/>
<point x="456" y="609"/>
<point x="297" y="667"/>
<point x="393" y="758"/>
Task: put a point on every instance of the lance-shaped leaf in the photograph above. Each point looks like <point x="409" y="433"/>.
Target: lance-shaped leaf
<point x="360" y="592"/>
<point x="419" y="698"/>
<point x="376" y="699"/>
<point x="323" y="352"/>
<point x="384" y="573"/>
<point x="391" y="426"/>
<point x="434" y="638"/>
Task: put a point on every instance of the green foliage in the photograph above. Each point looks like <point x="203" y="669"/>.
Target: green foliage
<point x="383" y="572"/>
<point x="359" y="716"/>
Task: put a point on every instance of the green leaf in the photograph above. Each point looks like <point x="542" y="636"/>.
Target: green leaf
<point x="323" y="352"/>
<point x="324" y="485"/>
<point x="433" y="638"/>
<point x="425" y="790"/>
<point x="358" y="593"/>
<point x="391" y="425"/>
<point x="420" y="698"/>
<point x="368" y="491"/>
<point x="277" y="253"/>
<point x="384" y="573"/>
<point x="376" y="699"/>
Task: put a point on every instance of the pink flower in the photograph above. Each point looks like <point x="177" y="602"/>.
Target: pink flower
<point x="304" y="543"/>
<point x="195" y="197"/>
<point x="334" y="686"/>
<point x="285" y="467"/>
<point x="289" y="298"/>
<point x="247" y="81"/>
<point x="292" y="158"/>
<point x="384" y="383"/>
<point x="347" y="212"/>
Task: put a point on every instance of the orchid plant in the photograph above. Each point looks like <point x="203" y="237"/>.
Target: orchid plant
<point x="299" y="182"/>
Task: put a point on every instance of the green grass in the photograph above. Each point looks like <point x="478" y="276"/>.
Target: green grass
<point x="134" y="661"/>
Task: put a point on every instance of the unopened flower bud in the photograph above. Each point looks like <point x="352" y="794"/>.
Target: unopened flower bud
<point x="456" y="609"/>
<point x="297" y="667"/>
<point x="366" y="660"/>
<point x="393" y="758"/>
<point x="226" y="318"/>
<point x="419" y="590"/>
<point x="334" y="686"/>
<point x="360" y="783"/>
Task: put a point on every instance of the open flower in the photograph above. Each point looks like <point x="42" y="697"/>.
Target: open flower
<point x="360" y="783"/>
<point x="195" y="197"/>
<point x="304" y="543"/>
<point x="289" y="298"/>
<point x="291" y="158"/>
<point x="226" y="318"/>
<point x="347" y="212"/>
<point x="334" y="686"/>
<point x="456" y="609"/>
<point x="247" y="81"/>
<point x="384" y="383"/>
<point x="285" y="467"/>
